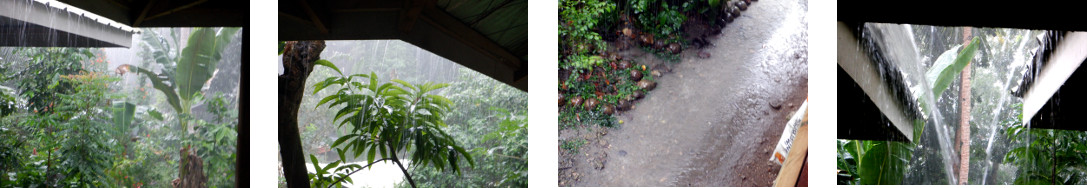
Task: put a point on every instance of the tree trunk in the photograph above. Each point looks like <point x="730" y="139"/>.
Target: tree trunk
<point x="964" y="120"/>
<point x="192" y="170"/>
<point x="298" y="58"/>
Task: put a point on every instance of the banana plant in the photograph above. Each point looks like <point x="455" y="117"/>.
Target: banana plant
<point x="187" y="71"/>
<point x="884" y="162"/>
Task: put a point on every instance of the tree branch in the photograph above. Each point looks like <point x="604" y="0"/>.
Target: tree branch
<point x="402" y="169"/>
<point x="507" y="156"/>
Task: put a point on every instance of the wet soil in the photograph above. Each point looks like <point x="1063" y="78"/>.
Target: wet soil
<point x="711" y="121"/>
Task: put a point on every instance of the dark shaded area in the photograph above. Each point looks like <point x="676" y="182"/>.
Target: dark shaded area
<point x="857" y="114"/>
<point x="1064" y="110"/>
<point x="298" y="58"/>
<point x="1052" y="15"/>
<point x="490" y="37"/>
<point x="169" y="13"/>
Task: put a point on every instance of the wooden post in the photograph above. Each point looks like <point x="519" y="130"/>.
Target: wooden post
<point x="964" y="121"/>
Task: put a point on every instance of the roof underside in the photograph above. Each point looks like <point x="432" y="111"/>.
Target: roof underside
<point x="489" y="36"/>
<point x="35" y="24"/>
<point x="169" y="13"/>
<point x="1050" y="115"/>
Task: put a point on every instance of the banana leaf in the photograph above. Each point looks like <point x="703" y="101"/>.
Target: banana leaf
<point x="884" y="163"/>
<point x="199" y="59"/>
<point x="123" y="113"/>
<point x="948" y="66"/>
<point x="159" y="49"/>
<point x="160" y="82"/>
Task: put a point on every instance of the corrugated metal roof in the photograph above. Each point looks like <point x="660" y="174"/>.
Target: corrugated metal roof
<point x="53" y="24"/>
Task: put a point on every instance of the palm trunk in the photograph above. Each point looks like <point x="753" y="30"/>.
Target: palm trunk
<point x="964" y="121"/>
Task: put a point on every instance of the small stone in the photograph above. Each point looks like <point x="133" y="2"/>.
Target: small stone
<point x="624" y="64"/>
<point x="647" y="85"/>
<point x="591" y="103"/>
<point x="576" y="101"/>
<point x="638" y="95"/>
<point x="675" y="48"/>
<point x="775" y="106"/>
<point x="608" y="109"/>
<point x="703" y="54"/>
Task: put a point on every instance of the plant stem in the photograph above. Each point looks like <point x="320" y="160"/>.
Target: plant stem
<point x="402" y="169"/>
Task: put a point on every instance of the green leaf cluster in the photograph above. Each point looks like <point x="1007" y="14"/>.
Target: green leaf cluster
<point x="387" y="119"/>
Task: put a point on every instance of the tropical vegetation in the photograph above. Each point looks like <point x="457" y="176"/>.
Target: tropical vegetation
<point x="69" y="121"/>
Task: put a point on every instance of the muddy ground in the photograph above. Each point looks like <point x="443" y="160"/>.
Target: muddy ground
<point x="711" y="121"/>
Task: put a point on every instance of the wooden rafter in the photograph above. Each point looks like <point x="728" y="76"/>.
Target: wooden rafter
<point x="313" y="17"/>
<point x="180" y="8"/>
<point x="489" y="12"/>
<point x="452" y="26"/>
<point x="143" y="13"/>
<point x="410" y="13"/>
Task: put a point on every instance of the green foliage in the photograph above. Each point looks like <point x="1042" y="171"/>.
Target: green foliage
<point x="501" y="153"/>
<point x="194" y="66"/>
<point x="884" y="163"/>
<point x="40" y="82"/>
<point x="73" y="125"/>
<point x="1046" y="156"/>
<point x="872" y="162"/>
<point x="199" y="59"/>
<point x="328" y="177"/>
<point x="496" y="113"/>
<point x="572" y="145"/>
<point x="393" y="118"/>
<point x="849" y="153"/>
<point x="8" y="101"/>
<point x="282" y="44"/>
<point x="577" y="31"/>
<point x="659" y="17"/>
<point x="216" y="142"/>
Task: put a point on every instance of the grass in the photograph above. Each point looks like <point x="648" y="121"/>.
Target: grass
<point x="572" y="145"/>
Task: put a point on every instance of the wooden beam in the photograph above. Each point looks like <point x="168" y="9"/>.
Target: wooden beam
<point x="366" y="6"/>
<point x="410" y="13"/>
<point x="452" y="26"/>
<point x="119" y="5"/>
<point x="296" y="18"/>
<point x="143" y="13"/>
<point x="182" y="7"/>
<point x="489" y="12"/>
<point x="313" y="16"/>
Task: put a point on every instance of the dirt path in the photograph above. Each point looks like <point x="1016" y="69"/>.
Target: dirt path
<point x="710" y="122"/>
